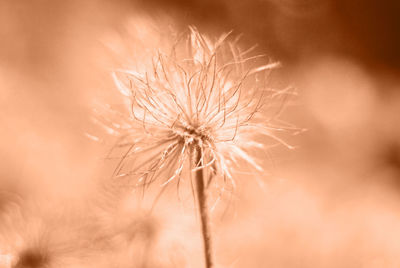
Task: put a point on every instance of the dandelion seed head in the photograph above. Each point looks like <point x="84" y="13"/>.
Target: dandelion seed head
<point x="202" y="95"/>
<point x="32" y="236"/>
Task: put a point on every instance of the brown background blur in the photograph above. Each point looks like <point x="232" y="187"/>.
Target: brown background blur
<point x="333" y="202"/>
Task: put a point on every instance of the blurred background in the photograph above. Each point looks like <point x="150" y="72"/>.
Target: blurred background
<point x="334" y="201"/>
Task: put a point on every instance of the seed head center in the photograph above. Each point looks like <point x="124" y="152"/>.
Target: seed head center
<point x="192" y="134"/>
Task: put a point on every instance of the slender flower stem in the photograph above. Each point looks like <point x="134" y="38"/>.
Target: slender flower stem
<point x="202" y="100"/>
<point x="201" y="192"/>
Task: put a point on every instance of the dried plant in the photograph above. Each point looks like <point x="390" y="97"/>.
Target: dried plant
<point x="30" y="238"/>
<point x="200" y="108"/>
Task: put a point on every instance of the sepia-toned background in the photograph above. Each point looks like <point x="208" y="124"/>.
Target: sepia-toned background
<point x="334" y="201"/>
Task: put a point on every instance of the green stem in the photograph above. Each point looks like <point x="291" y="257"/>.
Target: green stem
<point x="201" y="192"/>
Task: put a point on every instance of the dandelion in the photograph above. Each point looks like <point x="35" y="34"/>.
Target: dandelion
<point x="30" y="237"/>
<point x="27" y="246"/>
<point x="198" y="108"/>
